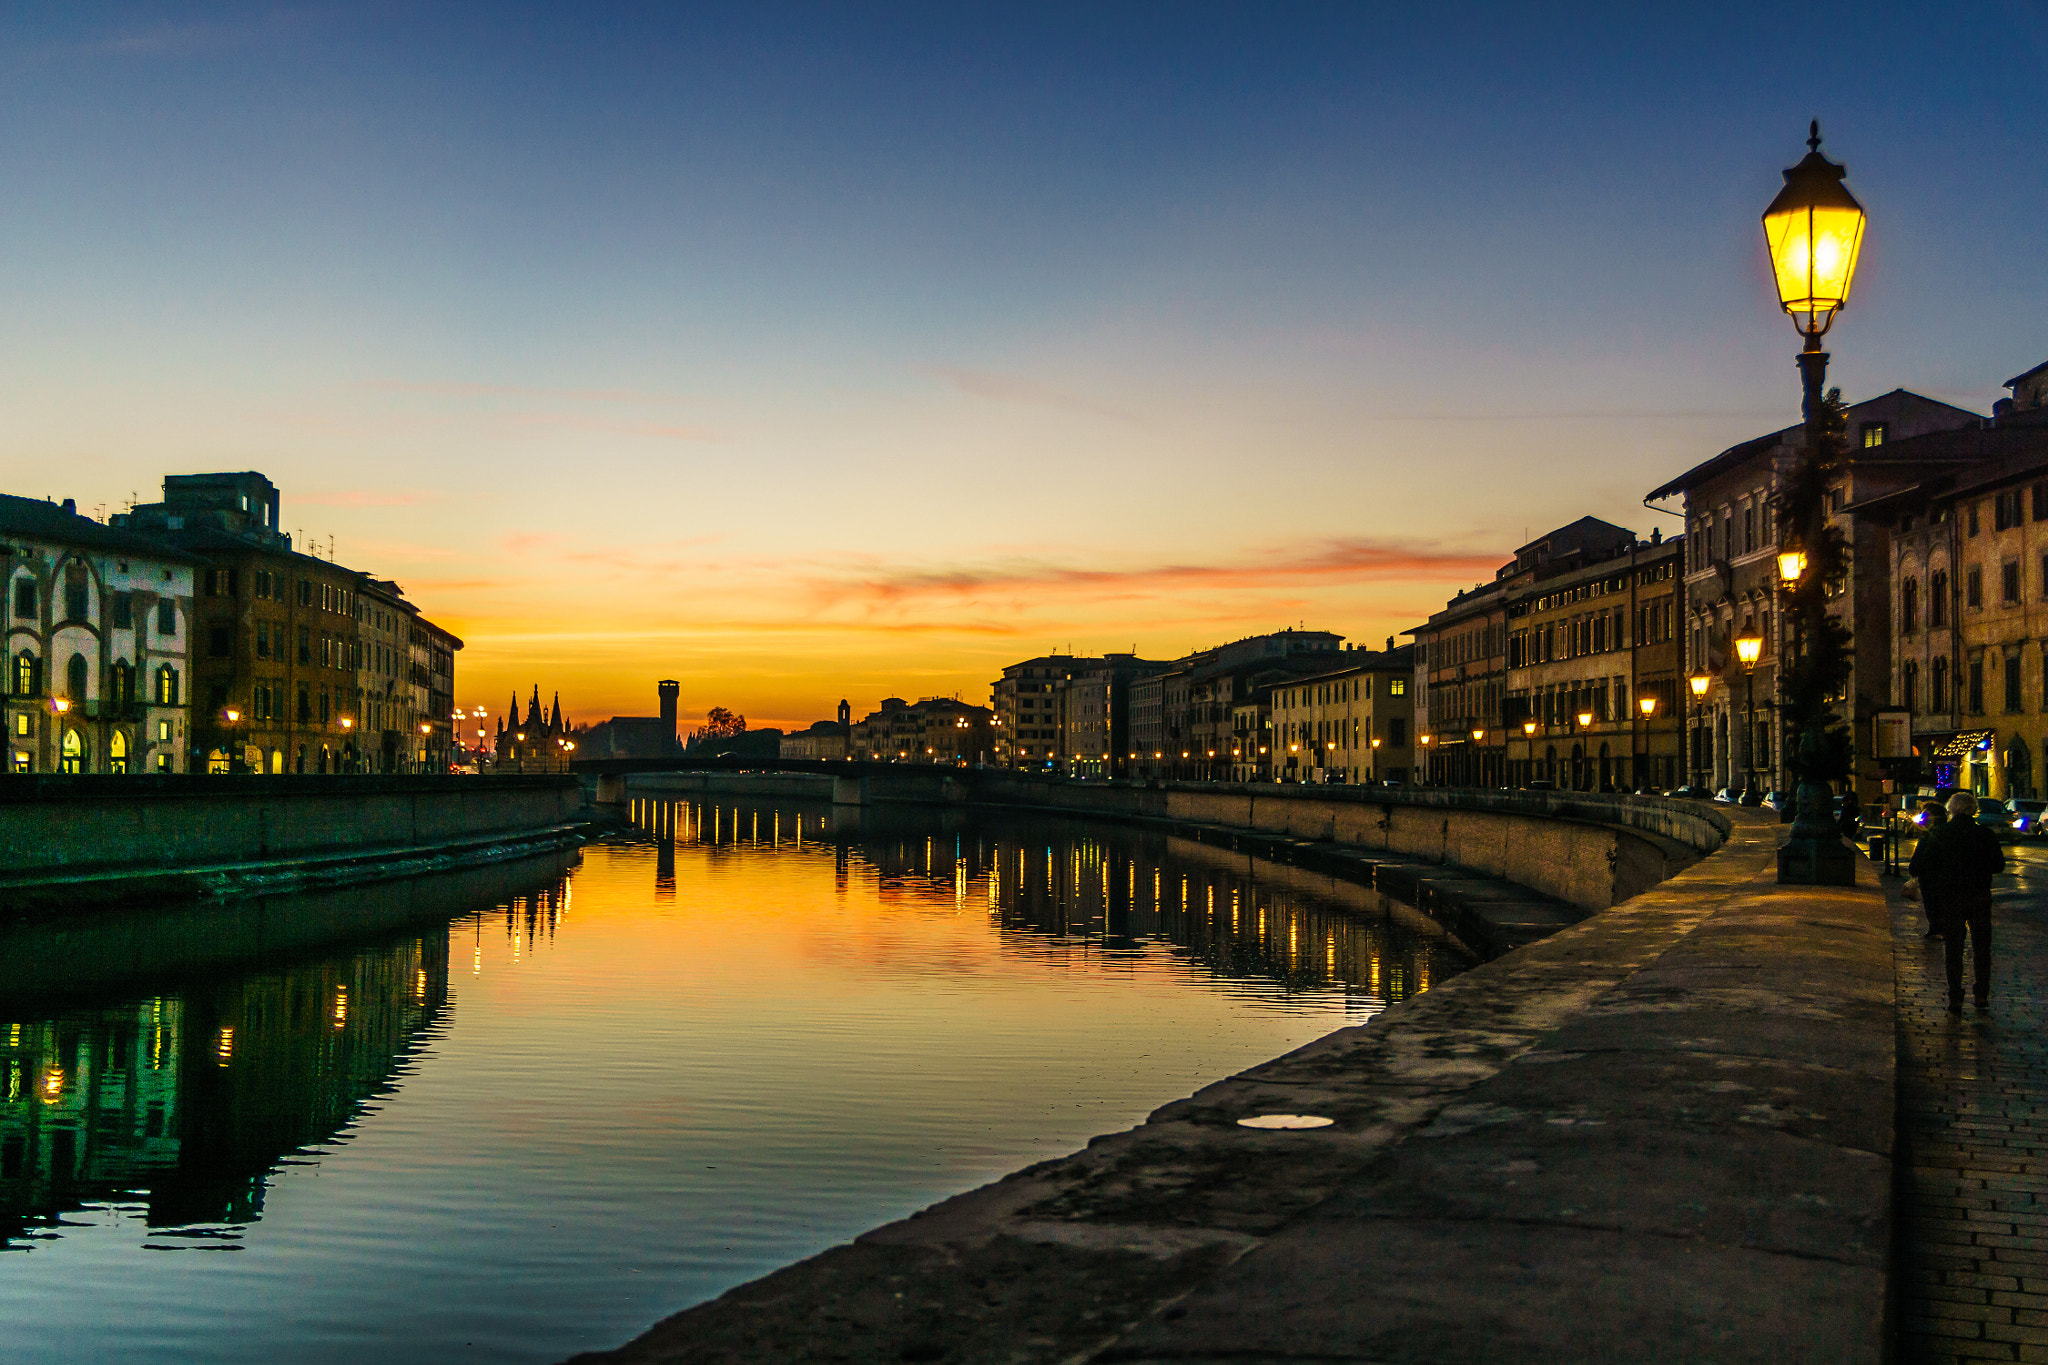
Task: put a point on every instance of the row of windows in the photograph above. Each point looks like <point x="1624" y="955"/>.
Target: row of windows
<point x="119" y="686"/>
<point x="2010" y="589"/>
<point x="1712" y="539"/>
<point x="78" y="606"/>
<point x="276" y="587"/>
<point x="1945" y="692"/>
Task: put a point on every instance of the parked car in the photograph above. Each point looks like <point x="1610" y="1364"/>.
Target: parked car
<point x="1541" y="784"/>
<point x="2027" y="815"/>
<point x="1993" y="814"/>
<point x="1690" y="793"/>
<point x="1776" y="800"/>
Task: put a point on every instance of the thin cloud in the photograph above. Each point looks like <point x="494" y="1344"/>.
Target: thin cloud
<point x="1011" y="389"/>
<point x="1329" y="561"/>
<point x="457" y="389"/>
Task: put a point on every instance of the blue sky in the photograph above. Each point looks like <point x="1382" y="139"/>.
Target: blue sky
<point x="808" y="351"/>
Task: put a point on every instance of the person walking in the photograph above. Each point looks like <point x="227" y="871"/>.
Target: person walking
<point x="1932" y="818"/>
<point x="1958" y="862"/>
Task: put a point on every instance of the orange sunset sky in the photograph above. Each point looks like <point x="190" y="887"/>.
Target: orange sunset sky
<point x="863" y="351"/>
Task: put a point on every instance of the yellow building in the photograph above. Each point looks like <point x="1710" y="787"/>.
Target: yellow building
<point x="1353" y="724"/>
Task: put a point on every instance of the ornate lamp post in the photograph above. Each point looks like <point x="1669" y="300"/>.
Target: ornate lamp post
<point x="1648" y="706"/>
<point x="1814" y="228"/>
<point x="1699" y="683"/>
<point x="1585" y="720"/>
<point x="1749" y="648"/>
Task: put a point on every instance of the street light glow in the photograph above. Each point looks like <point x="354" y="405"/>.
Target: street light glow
<point x="1815" y="230"/>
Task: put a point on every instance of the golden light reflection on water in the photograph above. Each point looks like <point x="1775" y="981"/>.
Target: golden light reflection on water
<point x="1119" y="887"/>
<point x="735" y="1034"/>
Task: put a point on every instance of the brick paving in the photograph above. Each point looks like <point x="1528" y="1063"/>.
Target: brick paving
<point x="1972" y="1213"/>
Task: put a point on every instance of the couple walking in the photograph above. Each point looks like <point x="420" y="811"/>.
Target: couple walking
<point x="1954" y="863"/>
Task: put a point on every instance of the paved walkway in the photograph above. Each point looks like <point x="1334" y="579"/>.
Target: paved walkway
<point x="1973" y="1137"/>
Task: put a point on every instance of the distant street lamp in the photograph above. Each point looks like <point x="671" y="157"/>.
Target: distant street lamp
<point x="1749" y="648"/>
<point x="1698" y="682"/>
<point x="1648" y="706"/>
<point x="1814" y="229"/>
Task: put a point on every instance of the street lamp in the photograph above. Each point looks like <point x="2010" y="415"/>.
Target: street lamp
<point x="1814" y="228"/>
<point x="1648" y="706"/>
<point x="1749" y="648"/>
<point x="1585" y="720"/>
<point x="1423" y="740"/>
<point x="1791" y="564"/>
<point x="1698" y="682"/>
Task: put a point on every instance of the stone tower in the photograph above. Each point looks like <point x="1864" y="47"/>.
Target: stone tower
<point x="668" y="689"/>
<point x="845" y="713"/>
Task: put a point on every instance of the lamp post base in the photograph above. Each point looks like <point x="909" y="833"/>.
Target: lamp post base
<point x="1822" y="860"/>
<point x="1815" y="855"/>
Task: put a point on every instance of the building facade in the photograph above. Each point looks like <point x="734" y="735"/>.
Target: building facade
<point x="942" y="730"/>
<point x="99" y="627"/>
<point x="1968" y="607"/>
<point x="1731" y="586"/>
<point x="1352" y="724"/>
<point x="1594" y="688"/>
<point x="282" y="680"/>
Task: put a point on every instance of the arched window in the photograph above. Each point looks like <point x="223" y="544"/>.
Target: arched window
<point x="123" y="683"/>
<point x="1937" y="691"/>
<point x="166" y="685"/>
<point x="25" y="674"/>
<point x="75" y="678"/>
<point x="117" y="752"/>
<point x="1909" y="687"/>
<point x="73" y="753"/>
<point x="1909" y="606"/>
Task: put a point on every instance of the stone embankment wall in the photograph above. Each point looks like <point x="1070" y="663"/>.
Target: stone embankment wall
<point x="1663" y="1133"/>
<point x="1588" y="850"/>
<point x="98" y="839"/>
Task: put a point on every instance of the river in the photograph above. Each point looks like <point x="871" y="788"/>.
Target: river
<point x="509" y="1114"/>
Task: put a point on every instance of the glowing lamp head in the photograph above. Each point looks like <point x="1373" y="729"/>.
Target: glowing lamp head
<point x="1648" y="705"/>
<point x="63" y="704"/>
<point x="1375" y="744"/>
<point x="232" y="715"/>
<point x="1791" y="564"/>
<point x="1478" y="735"/>
<point x="1585" y="719"/>
<point x="1749" y="648"/>
<point x="1528" y="727"/>
<point x="1814" y="229"/>
<point x="426" y="729"/>
<point x="1698" y="683"/>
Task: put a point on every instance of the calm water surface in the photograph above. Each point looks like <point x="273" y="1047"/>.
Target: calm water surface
<point x="578" y="1098"/>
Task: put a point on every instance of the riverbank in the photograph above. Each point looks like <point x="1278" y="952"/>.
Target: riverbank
<point x="74" y="842"/>
<point x="1498" y="869"/>
<point x="1663" y="1132"/>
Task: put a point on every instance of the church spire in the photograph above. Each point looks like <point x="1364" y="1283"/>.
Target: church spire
<point x="533" y="707"/>
<point x="555" y="718"/>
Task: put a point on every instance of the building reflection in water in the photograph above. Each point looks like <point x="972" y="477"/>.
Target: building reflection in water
<point x="178" y="1106"/>
<point x="1056" y="885"/>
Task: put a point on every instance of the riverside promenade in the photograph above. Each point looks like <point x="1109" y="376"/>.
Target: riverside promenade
<point x="1973" y="1136"/>
<point x="1663" y="1133"/>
